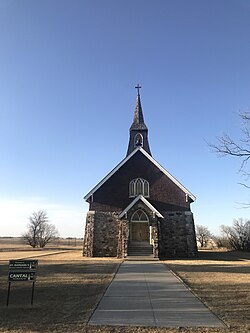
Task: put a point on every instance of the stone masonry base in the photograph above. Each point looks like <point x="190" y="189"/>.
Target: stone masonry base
<point x="107" y="236"/>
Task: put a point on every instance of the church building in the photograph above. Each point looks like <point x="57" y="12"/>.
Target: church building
<point x="139" y="208"/>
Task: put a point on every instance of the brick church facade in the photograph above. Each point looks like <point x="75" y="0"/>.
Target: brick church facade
<point x="139" y="204"/>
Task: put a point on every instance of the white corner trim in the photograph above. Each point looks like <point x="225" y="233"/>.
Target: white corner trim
<point x="145" y="201"/>
<point x="153" y="161"/>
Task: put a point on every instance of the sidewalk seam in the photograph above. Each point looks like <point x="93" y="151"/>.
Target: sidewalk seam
<point x="149" y="296"/>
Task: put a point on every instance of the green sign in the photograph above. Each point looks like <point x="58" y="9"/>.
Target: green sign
<point x="23" y="265"/>
<point x="22" y="276"/>
<point x="22" y="270"/>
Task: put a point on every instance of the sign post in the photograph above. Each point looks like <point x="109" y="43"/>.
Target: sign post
<point x="21" y="271"/>
<point x="8" y="296"/>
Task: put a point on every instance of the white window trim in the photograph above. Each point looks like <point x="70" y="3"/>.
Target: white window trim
<point x="139" y="210"/>
<point x="133" y="182"/>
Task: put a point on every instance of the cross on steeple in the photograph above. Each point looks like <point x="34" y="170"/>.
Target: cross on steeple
<point x="138" y="130"/>
<point x="138" y="87"/>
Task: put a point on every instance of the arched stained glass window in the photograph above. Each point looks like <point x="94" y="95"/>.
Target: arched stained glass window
<point x="139" y="186"/>
<point x="131" y="189"/>
<point x="146" y="189"/>
<point x="139" y="216"/>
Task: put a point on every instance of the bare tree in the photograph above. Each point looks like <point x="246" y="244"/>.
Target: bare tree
<point x="203" y="235"/>
<point x="221" y="242"/>
<point x="39" y="232"/>
<point x="237" y="236"/>
<point x="240" y="148"/>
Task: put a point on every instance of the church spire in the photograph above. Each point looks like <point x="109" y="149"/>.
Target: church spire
<point x="138" y="122"/>
<point x="138" y="129"/>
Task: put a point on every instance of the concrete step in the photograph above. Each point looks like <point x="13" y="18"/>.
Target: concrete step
<point x="141" y="258"/>
<point x="138" y="249"/>
<point x="141" y="250"/>
<point x="140" y="254"/>
<point x="139" y="244"/>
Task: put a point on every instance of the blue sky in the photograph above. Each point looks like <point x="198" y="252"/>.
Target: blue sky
<point x="68" y="71"/>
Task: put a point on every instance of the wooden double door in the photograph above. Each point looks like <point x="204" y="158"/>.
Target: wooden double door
<point x="140" y="231"/>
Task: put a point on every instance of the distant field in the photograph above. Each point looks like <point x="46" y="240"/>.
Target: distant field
<point x="69" y="287"/>
<point x="17" y="243"/>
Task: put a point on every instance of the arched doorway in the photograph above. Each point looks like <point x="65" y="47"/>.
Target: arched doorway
<point x="139" y="226"/>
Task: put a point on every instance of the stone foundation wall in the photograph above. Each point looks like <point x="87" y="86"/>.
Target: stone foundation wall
<point x="177" y="235"/>
<point x="101" y="234"/>
<point x="89" y="235"/>
<point x="107" y="236"/>
<point x="123" y="238"/>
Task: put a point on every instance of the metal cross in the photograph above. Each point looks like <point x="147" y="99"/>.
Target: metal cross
<point x="138" y="87"/>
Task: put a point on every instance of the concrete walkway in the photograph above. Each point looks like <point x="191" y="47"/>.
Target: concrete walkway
<point x="146" y="293"/>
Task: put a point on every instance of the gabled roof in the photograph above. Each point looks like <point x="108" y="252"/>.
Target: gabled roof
<point x="145" y="201"/>
<point x="174" y="180"/>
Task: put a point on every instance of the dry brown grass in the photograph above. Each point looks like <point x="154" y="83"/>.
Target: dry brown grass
<point x="222" y="281"/>
<point x="69" y="287"/>
<point x="67" y="291"/>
